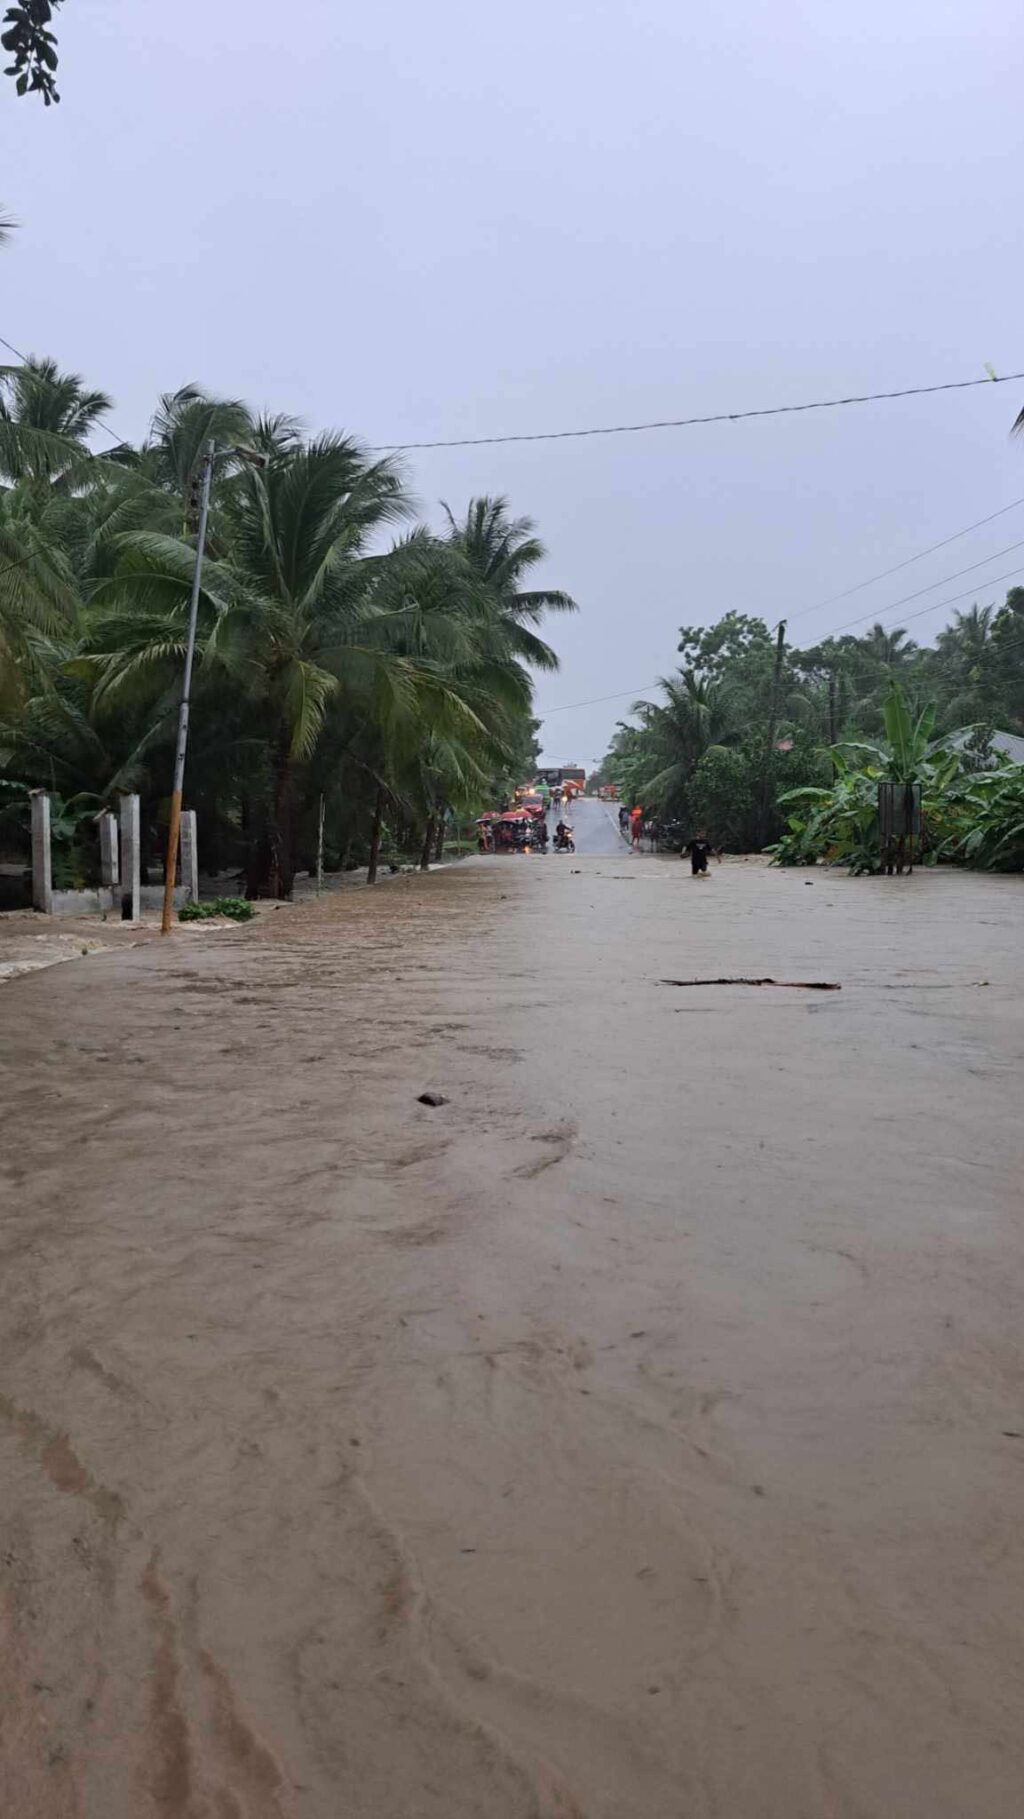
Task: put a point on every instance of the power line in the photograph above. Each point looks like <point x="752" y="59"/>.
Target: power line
<point x="935" y="606"/>
<point x="968" y="591"/>
<point x="49" y="549"/>
<point x="996" y="647"/>
<point x="634" y="429"/>
<point x="119" y="441"/>
<point x="595" y="700"/>
<point x="919" y="557"/>
<point x="932" y="585"/>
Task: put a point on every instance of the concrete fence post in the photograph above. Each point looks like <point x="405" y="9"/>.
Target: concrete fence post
<point x="110" y="875"/>
<point x="42" y="875"/>
<point x="189" y="855"/>
<point x="131" y="870"/>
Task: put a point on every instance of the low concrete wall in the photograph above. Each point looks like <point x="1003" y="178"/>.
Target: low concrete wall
<point x="152" y="896"/>
<point x="108" y="903"/>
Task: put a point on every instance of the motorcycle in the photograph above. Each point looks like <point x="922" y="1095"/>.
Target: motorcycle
<point x="564" y="842"/>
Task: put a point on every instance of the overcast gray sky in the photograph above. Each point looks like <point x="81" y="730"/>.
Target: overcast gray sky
<point x="411" y="221"/>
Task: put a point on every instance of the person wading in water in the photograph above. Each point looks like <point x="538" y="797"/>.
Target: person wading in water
<point x="700" y="850"/>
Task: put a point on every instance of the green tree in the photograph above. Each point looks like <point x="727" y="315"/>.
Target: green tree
<point x="696" y="716"/>
<point x="27" y="37"/>
<point x="393" y="683"/>
<point x="500" y="550"/>
<point x="282" y="611"/>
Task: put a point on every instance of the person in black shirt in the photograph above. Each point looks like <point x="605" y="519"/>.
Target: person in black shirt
<point x="699" y="849"/>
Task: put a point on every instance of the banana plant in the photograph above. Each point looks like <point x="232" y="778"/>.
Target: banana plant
<point x="840" y="825"/>
<point x="986" y="816"/>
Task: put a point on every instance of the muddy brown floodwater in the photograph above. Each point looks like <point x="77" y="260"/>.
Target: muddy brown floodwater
<point x="637" y="1435"/>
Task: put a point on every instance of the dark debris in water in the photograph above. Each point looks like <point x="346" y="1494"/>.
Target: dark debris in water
<point x="800" y="985"/>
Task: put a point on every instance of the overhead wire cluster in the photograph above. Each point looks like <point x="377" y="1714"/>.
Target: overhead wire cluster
<point x="876" y="612"/>
<point x="745" y="416"/>
<point x="624" y="429"/>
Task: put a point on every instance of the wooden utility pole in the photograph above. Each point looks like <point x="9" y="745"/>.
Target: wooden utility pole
<point x="773" y="716"/>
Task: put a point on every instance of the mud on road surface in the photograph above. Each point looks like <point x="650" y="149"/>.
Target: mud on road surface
<point x="637" y="1435"/>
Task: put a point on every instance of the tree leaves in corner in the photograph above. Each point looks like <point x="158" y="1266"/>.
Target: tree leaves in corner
<point x="26" y="34"/>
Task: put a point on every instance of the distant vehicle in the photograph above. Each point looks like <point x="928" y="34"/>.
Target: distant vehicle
<point x="533" y="804"/>
<point x="562" y="774"/>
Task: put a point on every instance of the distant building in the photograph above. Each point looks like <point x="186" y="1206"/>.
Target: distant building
<point x="1008" y="745"/>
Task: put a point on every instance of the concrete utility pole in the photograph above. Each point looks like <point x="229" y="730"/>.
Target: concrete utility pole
<point x="42" y="875"/>
<point x="131" y="858"/>
<point x="110" y="874"/>
<point x="189" y="856"/>
<point x="174" y="824"/>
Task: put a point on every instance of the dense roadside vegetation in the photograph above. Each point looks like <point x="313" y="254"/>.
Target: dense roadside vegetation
<point x="345" y="654"/>
<point x="785" y="748"/>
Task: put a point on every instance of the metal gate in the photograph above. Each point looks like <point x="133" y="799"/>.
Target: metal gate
<point x="899" y="825"/>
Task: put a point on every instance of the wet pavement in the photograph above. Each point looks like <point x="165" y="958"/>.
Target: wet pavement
<point x="595" y="827"/>
<point x="636" y="1434"/>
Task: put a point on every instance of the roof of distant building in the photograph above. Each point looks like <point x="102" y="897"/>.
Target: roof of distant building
<point x="1011" y="745"/>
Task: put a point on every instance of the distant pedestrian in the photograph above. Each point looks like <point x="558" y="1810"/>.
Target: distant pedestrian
<point x="623" y="820"/>
<point x="636" y="826"/>
<point x="700" y="850"/>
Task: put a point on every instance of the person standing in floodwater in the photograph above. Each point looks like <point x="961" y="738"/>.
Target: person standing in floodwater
<point x="636" y="825"/>
<point x="700" y="850"/>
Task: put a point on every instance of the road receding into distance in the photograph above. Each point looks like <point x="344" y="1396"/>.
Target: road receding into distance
<point x="636" y="1435"/>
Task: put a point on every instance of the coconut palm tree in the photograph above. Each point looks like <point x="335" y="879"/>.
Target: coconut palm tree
<point x="472" y="691"/>
<point x="38" y="597"/>
<point x="889" y="645"/>
<point x="170" y="459"/>
<point x="501" y="550"/>
<point x="284" y="612"/>
<point x="45" y="419"/>
<point x="388" y="680"/>
<point x="967" y="667"/>
<point x="968" y="635"/>
<point x="695" y="716"/>
<point x="38" y="395"/>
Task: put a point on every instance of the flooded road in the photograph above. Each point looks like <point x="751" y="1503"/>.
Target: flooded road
<point x="637" y="1435"/>
<point x="595" y="827"/>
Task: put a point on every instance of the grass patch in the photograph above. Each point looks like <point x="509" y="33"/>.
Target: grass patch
<point x="239" y="909"/>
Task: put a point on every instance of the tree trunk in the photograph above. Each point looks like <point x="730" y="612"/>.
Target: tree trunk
<point x="428" y="844"/>
<point x="439" y="848"/>
<point x="283" y="837"/>
<point x="378" y="818"/>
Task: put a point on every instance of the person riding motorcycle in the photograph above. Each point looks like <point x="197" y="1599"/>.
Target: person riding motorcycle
<point x="563" y="836"/>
